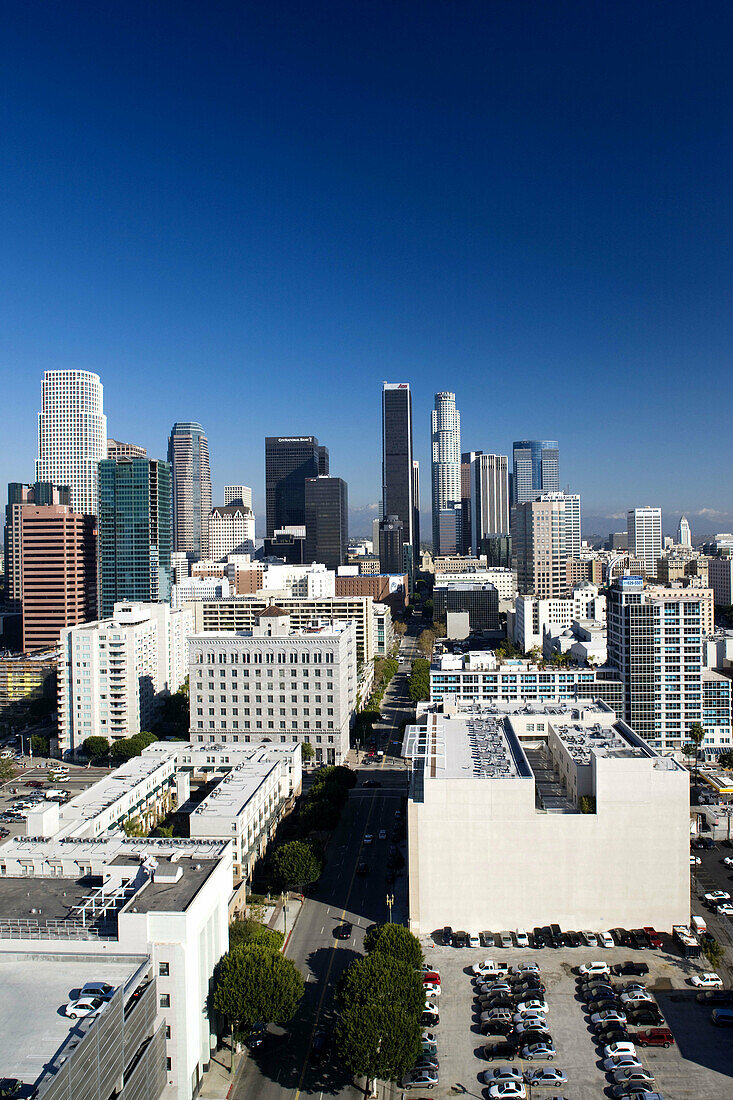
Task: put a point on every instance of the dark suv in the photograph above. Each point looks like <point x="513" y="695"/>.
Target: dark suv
<point x="460" y="939"/>
<point x="507" y="1048"/>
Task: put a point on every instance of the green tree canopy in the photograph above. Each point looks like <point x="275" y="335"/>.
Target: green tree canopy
<point x="127" y="747"/>
<point x="382" y="1042"/>
<point x="307" y="752"/>
<point x="295" y="865"/>
<point x="39" y="744"/>
<point x="425" y="642"/>
<point x="255" y="984"/>
<point x="245" y="933"/>
<point x="418" y="685"/>
<point x="7" y="770"/>
<point x="95" y="746"/>
<point x="396" y="941"/>
<point x="726" y="759"/>
<point x="382" y="978"/>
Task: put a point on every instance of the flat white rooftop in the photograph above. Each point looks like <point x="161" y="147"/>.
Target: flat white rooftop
<point x="231" y="797"/>
<point x="111" y="788"/>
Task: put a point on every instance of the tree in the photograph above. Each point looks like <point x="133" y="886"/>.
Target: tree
<point x="126" y="747"/>
<point x="382" y="1042"/>
<point x="382" y="979"/>
<point x="696" y="734"/>
<point x="39" y="745"/>
<point x="246" y="933"/>
<point x="295" y="865"/>
<point x="587" y="804"/>
<point x="425" y="642"/>
<point x="399" y="628"/>
<point x="396" y="941"/>
<point x="95" y="746"/>
<point x="725" y="760"/>
<point x="7" y="770"/>
<point x="132" y="826"/>
<point x="713" y="952"/>
<point x="307" y="752"/>
<point x="418" y="686"/>
<point x="254" y="984"/>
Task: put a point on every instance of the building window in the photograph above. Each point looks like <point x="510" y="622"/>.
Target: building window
<point x="165" y="1000"/>
<point x="163" y="970"/>
<point x="167" y="1031"/>
<point x="168" y="1064"/>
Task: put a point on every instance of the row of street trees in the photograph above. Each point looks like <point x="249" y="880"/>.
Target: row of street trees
<point x="418" y="685"/>
<point x="381" y="999"/>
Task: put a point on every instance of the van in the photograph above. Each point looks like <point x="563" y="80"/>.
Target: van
<point x="556" y="935"/>
<point x="722" y="1017"/>
<point x="698" y="925"/>
<point x="55" y="796"/>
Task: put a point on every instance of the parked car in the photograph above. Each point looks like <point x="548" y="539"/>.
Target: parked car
<point x="521" y="937"/>
<point x="613" y="1033"/>
<point x="505" y="939"/>
<point x="526" y="968"/>
<point x="605" y="1004"/>
<point x="715" y="897"/>
<point x="524" y="1023"/>
<point x="97" y="989"/>
<point x="539" y="1050"/>
<point x="447" y="936"/>
<point x="614" y="1051"/>
<point x="636" y="1076"/>
<point x="474" y="939"/>
<point x="429" y="1019"/>
<point x="605" y="939"/>
<point x="622" y="1061"/>
<point x="427" y="1061"/>
<point x="431" y="989"/>
<point x="503" y="1090"/>
<point x="548" y="1075"/>
<point x="501" y="1073"/>
<point x="532" y="1004"/>
<point x="632" y="987"/>
<point x="84" y="1006"/>
<point x="630" y="967"/>
<point x="708" y="980"/>
<point x="538" y="937"/>
<point x="722" y="1017"/>
<point x="636" y="997"/>
<point x="420" y="1079"/>
<point x="488" y="968"/>
<point x="640" y="939"/>
<point x="610" y="1015"/>
<point x="654" y="1037"/>
<point x="590" y="938"/>
<point x="645" y="1015"/>
<point x="506" y="1048"/>
<point x="715" y="997"/>
<point x="487" y="989"/>
<point x="497" y="1027"/>
<point x="460" y="939"/>
<point x="593" y="969"/>
<point x="428" y="1044"/>
<point x="431" y="976"/>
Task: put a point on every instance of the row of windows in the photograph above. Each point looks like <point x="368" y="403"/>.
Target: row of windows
<point x="265" y="657"/>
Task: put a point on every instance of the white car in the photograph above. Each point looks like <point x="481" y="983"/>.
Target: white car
<point x="368" y="839"/>
<point x="727" y="860"/>
<point x="624" y="1061"/>
<point x="605" y="939"/>
<point x="487" y="969"/>
<point x="430" y="1007"/>
<point x="420" y="1079"/>
<point x="382" y="834"/>
<point x="708" y="980"/>
<point x="725" y="909"/>
<point x="635" y="1075"/>
<point x="614" y="1051"/>
<point x="529" y="1023"/>
<point x="473" y="939"/>
<point x="532" y="1004"/>
<point x="590" y="938"/>
<point x="610" y="1016"/>
<point x="636" y="997"/>
<point x="526" y="968"/>
<point x="716" y="896"/>
<point x="695" y="861"/>
<point x="594" y="969"/>
<point x="522" y="938"/>
<point x="431" y="989"/>
<point x="504" y="1089"/>
<point x="500" y="1074"/>
<point x="84" y="1006"/>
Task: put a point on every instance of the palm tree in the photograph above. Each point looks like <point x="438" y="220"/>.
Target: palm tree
<point x="697" y="735"/>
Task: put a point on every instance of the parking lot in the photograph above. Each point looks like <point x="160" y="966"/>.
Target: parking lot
<point x="698" y="1067"/>
<point x="16" y="791"/>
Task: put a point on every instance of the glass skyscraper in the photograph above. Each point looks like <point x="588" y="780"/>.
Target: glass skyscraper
<point x="400" y="488"/>
<point x="445" y="424"/>
<point x="188" y="455"/>
<point x="134" y="532"/>
<point x="536" y="469"/>
<point x="289" y="460"/>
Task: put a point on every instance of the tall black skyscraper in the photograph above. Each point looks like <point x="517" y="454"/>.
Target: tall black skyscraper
<point x="397" y="467"/>
<point x="289" y="460"/>
<point x="323" y="462"/>
<point x="535" y="469"/>
<point x="326" y="521"/>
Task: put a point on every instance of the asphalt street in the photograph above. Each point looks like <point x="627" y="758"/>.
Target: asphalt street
<point x="286" y="1069"/>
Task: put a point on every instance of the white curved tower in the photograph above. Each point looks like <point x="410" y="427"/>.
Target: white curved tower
<point x="72" y="435"/>
<point x="446" y="473"/>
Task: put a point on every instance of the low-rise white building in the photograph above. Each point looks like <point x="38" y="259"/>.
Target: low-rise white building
<point x="498" y="837"/>
<point x="200" y="588"/>
<point x="113" y="673"/>
<point x="503" y="580"/>
<point x="534" y="617"/>
<point x="307" y="582"/>
<point x="585" y="641"/>
<point x="276" y="683"/>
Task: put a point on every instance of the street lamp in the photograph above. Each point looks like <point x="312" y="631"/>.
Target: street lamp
<point x="285" y="914"/>
<point x="390" y="903"/>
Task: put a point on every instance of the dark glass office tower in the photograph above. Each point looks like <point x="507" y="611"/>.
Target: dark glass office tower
<point x="326" y="521"/>
<point x="391" y="545"/>
<point x="397" y="462"/>
<point x="323" y="462"/>
<point x="289" y="460"/>
<point x="536" y="469"/>
<point x="134" y="531"/>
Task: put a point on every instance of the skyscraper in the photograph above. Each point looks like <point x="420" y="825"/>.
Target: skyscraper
<point x="238" y="494"/>
<point x="644" y="526"/>
<point x="467" y="539"/>
<point x="391" y="543"/>
<point x="536" y="469"/>
<point x="72" y="435"/>
<point x="489" y="486"/>
<point x="540" y="534"/>
<point x="326" y="521"/>
<point x="416" y="511"/>
<point x="289" y="460"/>
<point x="116" y="449"/>
<point x="188" y="455"/>
<point x="19" y="497"/>
<point x="398" y="472"/>
<point x="684" y="533"/>
<point x="323" y="461"/>
<point x="231" y="531"/>
<point x="446" y="469"/>
<point x="134" y="533"/>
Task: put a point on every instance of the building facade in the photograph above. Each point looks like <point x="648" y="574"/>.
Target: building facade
<point x="113" y="673"/>
<point x="58" y="572"/>
<point x="398" y="466"/>
<point x="72" y="435"/>
<point x="276" y="683"/>
<point x="480" y="601"/>
<point x="720" y="578"/>
<point x="231" y="531"/>
<point x="238" y="494"/>
<point x="116" y="450"/>
<point x="684" y="532"/>
<point x="445" y="424"/>
<point x="540" y="531"/>
<point x="644" y="527"/>
<point x="289" y="460"/>
<point x="489" y="498"/>
<point x="19" y="496"/>
<point x="188" y="455"/>
<point x="134" y="534"/>
<point x="535" y="469"/>
<point x="326" y="521"/>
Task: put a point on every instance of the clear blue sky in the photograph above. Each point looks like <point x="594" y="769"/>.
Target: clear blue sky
<point x="251" y="214"/>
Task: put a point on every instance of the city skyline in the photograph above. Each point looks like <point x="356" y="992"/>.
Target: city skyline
<point x="568" y="254"/>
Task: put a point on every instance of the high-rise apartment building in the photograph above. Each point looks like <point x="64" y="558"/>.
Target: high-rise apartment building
<point x="644" y="527"/>
<point x="58" y="572"/>
<point x="684" y="532"/>
<point x="489" y="504"/>
<point x="134" y="531"/>
<point x="238" y="494"/>
<point x="19" y="496"/>
<point x="655" y="640"/>
<point x="289" y="460"/>
<point x="188" y="455"/>
<point x="536" y="469"/>
<point x="326" y="521"/>
<point x="540" y="546"/>
<point x="445" y="422"/>
<point x="116" y="449"/>
<point x="398" y="466"/>
<point x="720" y="578"/>
<point x="231" y="531"/>
<point x="72" y="435"/>
<point x="128" y="660"/>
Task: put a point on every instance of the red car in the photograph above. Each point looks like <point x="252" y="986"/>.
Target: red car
<point x="653" y="1037"/>
<point x="654" y="937"/>
<point x="34" y="783"/>
<point x="431" y="976"/>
